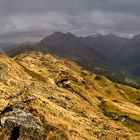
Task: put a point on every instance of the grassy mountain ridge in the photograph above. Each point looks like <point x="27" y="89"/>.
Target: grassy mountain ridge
<point x="66" y="101"/>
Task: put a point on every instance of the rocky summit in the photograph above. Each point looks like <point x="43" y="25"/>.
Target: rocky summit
<point x="45" y="97"/>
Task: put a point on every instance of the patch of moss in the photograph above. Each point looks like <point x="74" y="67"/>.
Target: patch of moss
<point x="111" y="110"/>
<point x="130" y="94"/>
<point x="102" y="80"/>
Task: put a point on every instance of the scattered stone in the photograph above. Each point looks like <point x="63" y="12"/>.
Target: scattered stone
<point x="101" y="133"/>
<point x="65" y="83"/>
<point x="116" y="117"/>
<point x="123" y="119"/>
<point x="107" y="127"/>
<point x="125" y="116"/>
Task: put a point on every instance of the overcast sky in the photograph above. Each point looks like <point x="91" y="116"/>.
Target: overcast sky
<point x="23" y="20"/>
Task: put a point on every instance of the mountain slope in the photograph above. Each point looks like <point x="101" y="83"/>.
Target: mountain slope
<point x="74" y="48"/>
<point x="129" y="56"/>
<point x="106" y="45"/>
<point x="69" y="46"/>
<point x="129" y="52"/>
<point x="17" y="49"/>
<point x="54" y="98"/>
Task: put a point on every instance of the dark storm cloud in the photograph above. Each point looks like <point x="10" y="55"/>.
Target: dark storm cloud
<point x="34" y="19"/>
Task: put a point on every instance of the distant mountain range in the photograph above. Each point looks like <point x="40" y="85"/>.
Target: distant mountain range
<point x="72" y="47"/>
<point x="106" y="54"/>
<point x="106" y="45"/>
<point x="129" y="55"/>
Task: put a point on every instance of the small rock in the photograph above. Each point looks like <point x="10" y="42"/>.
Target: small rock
<point x="107" y="127"/>
<point x="123" y="119"/>
<point x="101" y="133"/>
<point x="65" y="83"/>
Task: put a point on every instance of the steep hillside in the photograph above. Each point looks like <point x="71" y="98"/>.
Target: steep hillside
<point x="69" y="46"/>
<point x="106" y="45"/>
<point x="46" y="97"/>
<point x="129" y="53"/>
<point x="17" y="49"/>
<point x="128" y="56"/>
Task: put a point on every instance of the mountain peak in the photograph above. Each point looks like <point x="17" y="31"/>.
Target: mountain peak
<point x="95" y="35"/>
<point x="58" y="33"/>
<point x="111" y="35"/>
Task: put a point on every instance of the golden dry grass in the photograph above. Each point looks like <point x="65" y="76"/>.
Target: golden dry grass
<point x="74" y="113"/>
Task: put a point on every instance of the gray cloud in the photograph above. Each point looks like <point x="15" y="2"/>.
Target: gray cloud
<point x="22" y="20"/>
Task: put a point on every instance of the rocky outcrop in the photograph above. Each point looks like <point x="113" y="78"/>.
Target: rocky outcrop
<point x="20" y="121"/>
